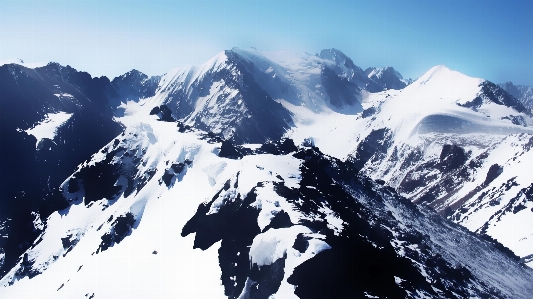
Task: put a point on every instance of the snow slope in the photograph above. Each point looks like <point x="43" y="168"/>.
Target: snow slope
<point x="221" y="96"/>
<point x="48" y="127"/>
<point x="52" y="118"/>
<point x="149" y="212"/>
<point x="176" y="268"/>
<point x="430" y="142"/>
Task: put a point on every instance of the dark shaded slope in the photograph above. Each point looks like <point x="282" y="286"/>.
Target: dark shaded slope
<point x="31" y="173"/>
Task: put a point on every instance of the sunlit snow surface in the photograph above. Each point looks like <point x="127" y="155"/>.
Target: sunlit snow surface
<point x="48" y="127"/>
<point x="156" y="261"/>
<point x="422" y="118"/>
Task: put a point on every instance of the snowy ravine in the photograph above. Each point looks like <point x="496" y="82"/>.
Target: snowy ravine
<point x="169" y="211"/>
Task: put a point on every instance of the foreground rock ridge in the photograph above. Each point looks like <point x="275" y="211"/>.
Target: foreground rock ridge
<point x="264" y="175"/>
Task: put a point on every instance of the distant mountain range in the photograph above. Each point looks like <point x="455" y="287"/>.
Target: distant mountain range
<point x="264" y="175"/>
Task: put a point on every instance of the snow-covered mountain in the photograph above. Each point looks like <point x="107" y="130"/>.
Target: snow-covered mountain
<point x="132" y="86"/>
<point x="207" y="160"/>
<point x="52" y="119"/>
<point x="387" y="77"/>
<point x="458" y="144"/>
<point x="21" y="62"/>
<point x="251" y="96"/>
<point x="154" y="206"/>
<point x="523" y="93"/>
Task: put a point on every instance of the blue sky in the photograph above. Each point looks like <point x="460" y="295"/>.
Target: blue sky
<point x="489" y="39"/>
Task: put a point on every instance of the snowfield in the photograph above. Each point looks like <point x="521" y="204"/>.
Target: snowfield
<point x="48" y="127"/>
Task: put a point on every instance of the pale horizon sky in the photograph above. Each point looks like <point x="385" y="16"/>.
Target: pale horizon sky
<point x="487" y="39"/>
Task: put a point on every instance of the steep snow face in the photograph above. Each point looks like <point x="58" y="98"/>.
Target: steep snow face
<point x="287" y="76"/>
<point x="162" y="213"/>
<point x="379" y="72"/>
<point x="437" y="102"/>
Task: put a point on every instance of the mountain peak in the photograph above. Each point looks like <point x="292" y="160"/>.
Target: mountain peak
<point x="144" y="154"/>
<point x="441" y="72"/>
<point x="12" y="60"/>
<point x="387" y="77"/>
<point x="332" y="54"/>
<point x="135" y="72"/>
